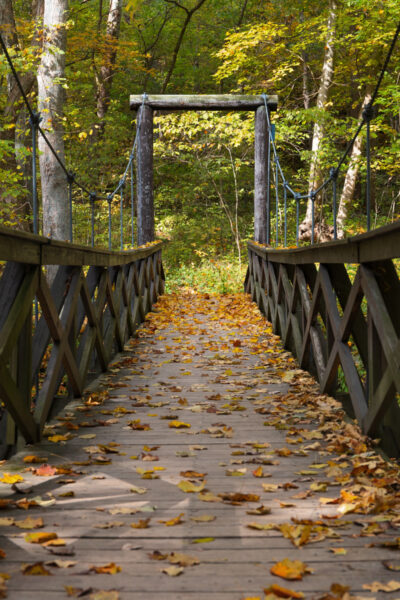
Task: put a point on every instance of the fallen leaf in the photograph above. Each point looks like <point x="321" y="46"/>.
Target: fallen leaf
<point x="178" y="424"/>
<point x="141" y="524"/>
<point x="237" y="498"/>
<point x="290" y="569"/>
<point x="338" y="551"/>
<point x="31" y="458"/>
<point x="204" y="540"/>
<point x="34" y="569"/>
<point x="7" y="478"/>
<point x="173" y="571"/>
<point x="183" y="560"/>
<point x="175" y="521"/>
<point x="208" y="497"/>
<point x="193" y="474"/>
<point x="138" y="490"/>
<point x="30" y="523"/>
<point x="45" y="470"/>
<point x="188" y="487"/>
<point x="203" y="518"/>
<point x="282" y="592"/>
<point x="105" y="595"/>
<point x="261" y="526"/>
<point x="376" y="586"/>
<point x="260" y="510"/>
<point x="270" y="487"/>
<point x="61" y="564"/>
<point x="156" y="555"/>
<point x="40" y="537"/>
<point x="109" y="569"/>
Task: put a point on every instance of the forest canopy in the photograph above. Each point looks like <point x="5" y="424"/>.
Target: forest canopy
<point x="321" y="59"/>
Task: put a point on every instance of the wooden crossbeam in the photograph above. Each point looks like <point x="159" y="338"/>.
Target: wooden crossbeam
<point x="202" y="102"/>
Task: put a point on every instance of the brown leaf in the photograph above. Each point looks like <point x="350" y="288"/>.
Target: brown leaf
<point x="30" y="523"/>
<point x="184" y="560"/>
<point x="376" y="586"/>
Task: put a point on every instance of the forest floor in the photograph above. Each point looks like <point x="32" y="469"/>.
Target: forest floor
<point x="205" y="465"/>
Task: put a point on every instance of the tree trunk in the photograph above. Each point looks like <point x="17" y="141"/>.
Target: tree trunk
<point x="51" y="102"/>
<point x="351" y="178"/>
<point x="315" y="177"/>
<point x="104" y="77"/>
<point x="189" y="15"/>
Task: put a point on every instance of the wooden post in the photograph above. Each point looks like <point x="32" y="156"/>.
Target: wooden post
<point x="260" y="176"/>
<point x="145" y="207"/>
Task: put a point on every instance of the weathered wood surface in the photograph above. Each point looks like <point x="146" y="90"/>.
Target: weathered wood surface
<point x="260" y="175"/>
<point x="95" y="304"/>
<point x="203" y="102"/>
<point x="201" y="369"/>
<point x="22" y="247"/>
<point x="317" y="310"/>
<point x="144" y="166"/>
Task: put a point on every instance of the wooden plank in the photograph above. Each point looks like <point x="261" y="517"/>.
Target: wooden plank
<point x="203" y="102"/>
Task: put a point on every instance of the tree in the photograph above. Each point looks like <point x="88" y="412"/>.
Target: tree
<point x="51" y="97"/>
<point x="316" y="175"/>
<point x="104" y="76"/>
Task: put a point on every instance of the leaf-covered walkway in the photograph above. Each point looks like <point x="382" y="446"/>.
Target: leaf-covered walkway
<point x="203" y="461"/>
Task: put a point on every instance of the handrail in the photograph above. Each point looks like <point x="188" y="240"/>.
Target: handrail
<point x="20" y="246"/>
<point x="378" y="244"/>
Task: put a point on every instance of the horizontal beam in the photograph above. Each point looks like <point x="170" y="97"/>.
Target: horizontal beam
<point x="203" y="102"/>
<point x="22" y="247"/>
<point x="382" y="243"/>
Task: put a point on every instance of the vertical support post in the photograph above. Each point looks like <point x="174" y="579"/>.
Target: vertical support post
<point x="109" y="200"/>
<point x="297" y="198"/>
<point x="34" y="122"/>
<point x="145" y="195"/>
<point x="260" y="176"/>
<point x="276" y="202"/>
<point x="70" y="179"/>
<point x="269" y="187"/>
<point x="121" y="215"/>
<point x="333" y="174"/>
<point x="312" y="196"/>
<point x="92" y="201"/>
<point x="132" y="207"/>
<point x="285" y="211"/>
<point x="368" y="190"/>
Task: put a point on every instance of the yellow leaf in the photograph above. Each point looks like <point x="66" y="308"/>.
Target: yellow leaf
<point x="30" y="523"/>
<point x="40" y="538"/>
<point x="7" y="478"/>
<point x="58" y="438"/>
<point x="34" y="569"/>
<point x="376" y="586"/>
<point x="188" y="487"/>
<point x="178" y="424"/>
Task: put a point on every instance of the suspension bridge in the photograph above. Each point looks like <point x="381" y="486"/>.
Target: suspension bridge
<point x="172" y="446"/>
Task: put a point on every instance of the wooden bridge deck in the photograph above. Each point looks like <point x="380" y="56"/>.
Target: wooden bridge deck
<point x="251" y="412"/>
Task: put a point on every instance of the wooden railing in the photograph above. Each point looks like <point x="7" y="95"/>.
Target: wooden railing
<point x="332" y="321"/>
<point x="96" y="301"/>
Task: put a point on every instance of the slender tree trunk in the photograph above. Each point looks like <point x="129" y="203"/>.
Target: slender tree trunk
<point x="104" y="77"/>
<point x="318" y="134"/>
<point x="351" y="178"/>
<point x="189" y="15"/>
<point x="51" y="102"/>
<point x="14" y="111"/>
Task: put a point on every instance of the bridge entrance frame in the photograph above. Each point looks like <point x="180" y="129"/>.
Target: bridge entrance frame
<point x="221" y="102"/>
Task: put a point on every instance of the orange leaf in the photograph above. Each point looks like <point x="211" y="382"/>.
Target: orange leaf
<point x="290" y="569"/>
<point x="282" y="592"/>
<point x="175" y="521"/>
<point x="45" y="471"/>
<point x="109" y="569"/>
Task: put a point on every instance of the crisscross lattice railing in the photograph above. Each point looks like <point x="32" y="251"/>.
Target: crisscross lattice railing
<point x="96" y="301"/>
<point x="345" y="330"/>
